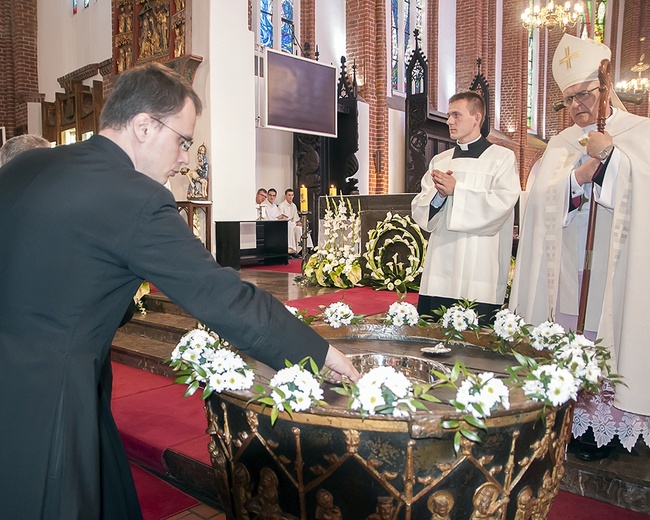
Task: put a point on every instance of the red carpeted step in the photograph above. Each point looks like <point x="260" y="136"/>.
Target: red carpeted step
<point x="129" y="380"/>
<point x="156" y="417"/>
<point x="196" y="448"/>
<point x="158" y="499"/>
<point x="568" y="506"/>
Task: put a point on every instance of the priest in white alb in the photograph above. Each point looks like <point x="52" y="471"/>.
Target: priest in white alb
<point x="551" y="251"/>
<point x="467" y="204"/>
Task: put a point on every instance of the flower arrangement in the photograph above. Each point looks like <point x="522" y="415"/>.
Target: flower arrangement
<point x="201" y="357"/>
<point x="569" y="363"/>
<point x="457" y="319"/>
<point x="292" y="389"/>
<point x="339" y="313"/>
<point x="395" y="254"/>
<point x="383" y="390"/>
<point x="336" y="264"/>
<point x="477" y="397"/>
<point x="403" y="313"/>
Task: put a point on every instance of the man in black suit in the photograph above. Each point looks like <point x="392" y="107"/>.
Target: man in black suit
<point x="81" y="226"/>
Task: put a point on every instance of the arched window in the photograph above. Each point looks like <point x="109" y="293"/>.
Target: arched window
<point x="593" y="25"/>
<point x="277" y="24"/>
<point x="405" y="16"/>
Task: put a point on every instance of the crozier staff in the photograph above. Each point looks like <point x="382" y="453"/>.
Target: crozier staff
<point x="553" y="234"/>
<point x="81" y="226"/>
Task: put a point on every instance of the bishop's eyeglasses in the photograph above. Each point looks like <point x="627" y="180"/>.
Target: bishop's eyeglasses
<point x="186" y="142"/>
<point x="578" y="96"/>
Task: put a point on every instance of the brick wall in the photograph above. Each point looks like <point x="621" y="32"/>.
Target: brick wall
<point x="18" y="63"/>
<point x="308" y="27"/>
<point x="366" y="45"/>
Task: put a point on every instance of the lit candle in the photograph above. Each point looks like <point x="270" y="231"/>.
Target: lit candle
<point x="304" y="206"/>
<point x="332" y="190"/>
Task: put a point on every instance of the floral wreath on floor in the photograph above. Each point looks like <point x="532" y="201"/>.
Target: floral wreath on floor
<point x="336" y="263"/>
<point x="387" y="268"/>
<point x="571" y="363"/>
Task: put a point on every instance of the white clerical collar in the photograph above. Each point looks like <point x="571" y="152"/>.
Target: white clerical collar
<point x="593" y="127"/>
<point x="465" y="146"/>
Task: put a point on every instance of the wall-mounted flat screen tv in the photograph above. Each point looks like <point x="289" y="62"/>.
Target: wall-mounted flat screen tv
<point x="300" y="94"/>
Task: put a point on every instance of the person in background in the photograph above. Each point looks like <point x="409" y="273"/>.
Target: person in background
<point x="272" y="209"/>
<point x="551" y="251"/>
<point x="467" y="204"/>
<point x="20" y="144"/>
<point x="289" y="210"/>
<point x="260" y="204"/>
<point x="81" y="226"/>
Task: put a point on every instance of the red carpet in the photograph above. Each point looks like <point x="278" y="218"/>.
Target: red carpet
<point x="362" y="300"/>
<point x="152" y="416"/>
<point x="294" y="266"/>
<point x="158" y="499"/>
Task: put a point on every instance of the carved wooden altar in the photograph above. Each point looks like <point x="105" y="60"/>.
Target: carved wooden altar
<point x="154" y="30"/>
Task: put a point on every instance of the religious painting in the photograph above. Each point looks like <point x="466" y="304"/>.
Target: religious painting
<point x="149" y="30"/>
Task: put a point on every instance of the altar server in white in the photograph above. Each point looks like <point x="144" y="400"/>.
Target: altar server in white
<point x="552" y="242"/>
<point x="289" y="211"/>
<point x="467" y="203"/>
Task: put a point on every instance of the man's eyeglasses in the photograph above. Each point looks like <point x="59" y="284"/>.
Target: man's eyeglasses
<point x="186" y="142"/>
<point x="578" y="96"/>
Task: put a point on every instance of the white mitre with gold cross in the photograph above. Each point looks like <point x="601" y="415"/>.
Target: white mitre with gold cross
<point x="576" y="61"/>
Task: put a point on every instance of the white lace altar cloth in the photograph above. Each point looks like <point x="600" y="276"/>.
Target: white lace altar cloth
<point x="598" y="411"/>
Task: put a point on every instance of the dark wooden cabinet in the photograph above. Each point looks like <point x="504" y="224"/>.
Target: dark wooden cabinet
<point x="271" y="243"/>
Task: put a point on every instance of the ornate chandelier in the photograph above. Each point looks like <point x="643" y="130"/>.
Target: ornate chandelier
<point x="638" y="84"/>
<point x="552" y="16"/>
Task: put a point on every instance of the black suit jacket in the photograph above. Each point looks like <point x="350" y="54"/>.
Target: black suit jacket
<point x="80" y="229"/>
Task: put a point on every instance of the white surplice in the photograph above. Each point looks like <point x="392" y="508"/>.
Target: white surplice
<point x="470" y="245"/>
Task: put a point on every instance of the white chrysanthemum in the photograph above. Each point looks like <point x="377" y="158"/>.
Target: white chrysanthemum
<point x="545" y="335"/>
<point x="402" y="313"/>
<point x="371" y="398"/>
<point x="592" y="372"/>
<point x="292" y="310"/>
<point x="192" y="354"/>
<point x="507" y="324"/>
<point x="337" y="314"/>
<point x="399" y="384"/>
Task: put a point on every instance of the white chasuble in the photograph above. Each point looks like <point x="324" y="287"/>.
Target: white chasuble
<point x="547" y="258"/>
<point x="470" y="245"/>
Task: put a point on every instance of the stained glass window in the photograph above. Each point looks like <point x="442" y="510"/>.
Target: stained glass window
<point x="266" y="23"/>
<point x="405" y="16"/>
<point x="277" y="24"/>
<point x="74" y="6"/>
<point x="287" y="25"/>
<point x="394" y="44"/>
<point x="86" y="3"/>
<point x="594" y="20"/>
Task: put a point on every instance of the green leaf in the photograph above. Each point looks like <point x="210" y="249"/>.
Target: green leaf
<point x="478" y="423"/>
<point x="457" y="442"/>
<point x="274" y="415"/>
<point x="469" y="434"/>
<point x="192" y="388"/>
<point x="450" y="425"/>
